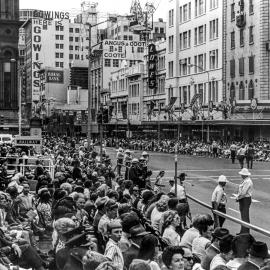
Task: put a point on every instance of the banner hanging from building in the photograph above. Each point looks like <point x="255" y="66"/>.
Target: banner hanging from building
<point x="152" y="66"/>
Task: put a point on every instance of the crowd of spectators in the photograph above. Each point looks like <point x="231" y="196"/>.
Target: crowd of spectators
<point x="100" y="216"/>
<point x="216" y="149"/>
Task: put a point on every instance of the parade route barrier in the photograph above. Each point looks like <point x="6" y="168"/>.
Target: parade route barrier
<point x="233" y="219"/>
<point x="21" y="164"/>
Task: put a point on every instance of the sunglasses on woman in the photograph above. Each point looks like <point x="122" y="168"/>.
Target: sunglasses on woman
<point x="189" y="258"/>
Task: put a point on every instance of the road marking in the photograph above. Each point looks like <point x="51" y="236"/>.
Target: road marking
<point x="234" y="210"/>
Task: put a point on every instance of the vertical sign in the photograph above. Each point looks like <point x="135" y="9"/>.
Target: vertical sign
<point x="152" y="66"/>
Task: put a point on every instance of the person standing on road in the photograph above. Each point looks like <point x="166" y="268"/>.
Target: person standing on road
<point x="249" y="156"/>
<point x="233" y="149"/>
<point x="243" y="197"/>
<point x="241" y="155"/>
<point x="219" y="200"/>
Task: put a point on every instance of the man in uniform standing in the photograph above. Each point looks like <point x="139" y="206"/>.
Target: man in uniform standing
<point x="243" y="197"/>
<point x="219" y="200"/>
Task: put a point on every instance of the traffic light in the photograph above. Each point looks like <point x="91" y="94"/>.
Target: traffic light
<point x="105" y="115"/>
<point x="99" y="118"/>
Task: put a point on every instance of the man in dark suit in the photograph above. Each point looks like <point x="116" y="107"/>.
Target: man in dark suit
<point x="257" y="256"/>
<point x="213" y="249"/>
<point x="137" y="233"/>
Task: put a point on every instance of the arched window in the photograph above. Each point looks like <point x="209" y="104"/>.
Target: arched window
<point x="241" y="91"/>
<point x="251" y="90"/>
<point x="232" y="91"/>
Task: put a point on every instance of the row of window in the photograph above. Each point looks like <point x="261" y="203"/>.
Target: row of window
<point x="200" y="9"/>
<point x="77" y="39"/>
<point x="185" y="10"/>
<point x="77" y="48"/>
<point x="134" y="108"/>
<point x="201" y="88"/>
<point x="199" y="64"/>
<point x="77" y="57"/>
<point x="199" y="36"/>
<point x="133" y="90"/>
<point x="241" y="65"/>
<point x="243" y="93"/>
<point x="242" y="37"/>
<point x="59" y="64"/>
<point x="111" y="62"/>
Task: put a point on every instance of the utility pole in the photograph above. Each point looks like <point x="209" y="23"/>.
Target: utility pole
<point x="20" y="103"/>
<point x="89" y="122"/>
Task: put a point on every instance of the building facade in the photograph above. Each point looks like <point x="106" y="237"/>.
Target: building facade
<point x="9" y="62"/>
<point x="55" y="47"/>
<point x="247" y="66"/>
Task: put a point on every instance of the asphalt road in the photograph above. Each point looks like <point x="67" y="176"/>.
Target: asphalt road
<point x="202" y="178"/>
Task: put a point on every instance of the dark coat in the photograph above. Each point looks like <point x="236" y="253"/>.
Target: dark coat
<point x="248" y="266"/>
<point x="130" y="254"/>
<point x="211" y="252"/>
<point x="70" y="259"/>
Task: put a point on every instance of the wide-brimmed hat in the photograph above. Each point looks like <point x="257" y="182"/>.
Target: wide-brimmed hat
<point x="220" y="233"/>
<point x="245" y="172"/>
<point x="260" y="250"/>
<point x="134" y="160"/>
<point x="137" y="230"/>
<point x="222" y="179"/>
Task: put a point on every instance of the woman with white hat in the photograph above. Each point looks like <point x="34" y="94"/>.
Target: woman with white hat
<point x="219" y="200"/>
<point x="244" y="197"/>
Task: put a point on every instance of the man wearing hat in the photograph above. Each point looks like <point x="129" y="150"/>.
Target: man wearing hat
<point x="137" y="233"/>
<point x="135" y="173"/>
<point x="111" y="211"/>
<point x="257" y="256"/>
<point x="219" y="200"/>
<point x="218" y="234"/>
<point x="244" y="196"/>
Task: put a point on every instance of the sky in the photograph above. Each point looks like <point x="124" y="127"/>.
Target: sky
<point x="104" y="6"/>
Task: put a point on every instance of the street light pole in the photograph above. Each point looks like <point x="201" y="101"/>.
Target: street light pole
<point x="89" y="122"/>
<point x="20" y="104"/>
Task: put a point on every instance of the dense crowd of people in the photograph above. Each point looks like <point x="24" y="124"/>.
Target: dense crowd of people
<point x="217" y="149"/>
<point x="104" y="214"/>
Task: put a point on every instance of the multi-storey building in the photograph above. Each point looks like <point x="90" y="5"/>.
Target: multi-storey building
<point x="194" y="62"/>
<point x="246" y="67"/>
<point x="9" y="62"/>
<point x="135" y="104"/>
<point x="56" y="48"/>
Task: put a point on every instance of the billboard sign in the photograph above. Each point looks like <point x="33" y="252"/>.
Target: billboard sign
<point x="123" y="49"/>
<point x="55" y="76"/>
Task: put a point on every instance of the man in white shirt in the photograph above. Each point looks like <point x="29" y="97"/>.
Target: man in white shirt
<point x="244" y="197"/>
<point x="219" y="200"/>
<point x="181" y="195"/>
